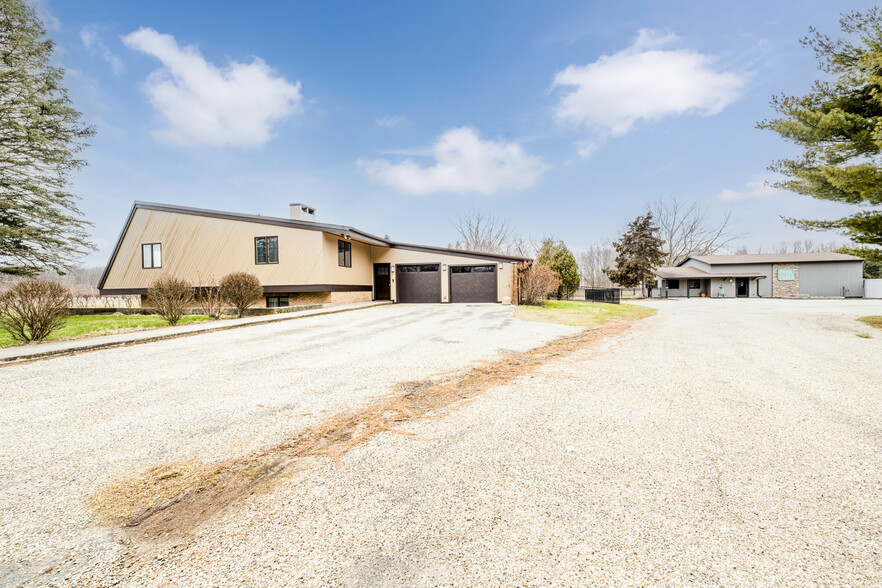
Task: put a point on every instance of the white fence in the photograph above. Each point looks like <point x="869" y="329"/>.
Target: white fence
<point x="872" y="288"/>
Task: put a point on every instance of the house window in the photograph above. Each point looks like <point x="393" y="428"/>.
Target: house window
<point x="266" y="250"/>
<point x="674" y="284"/>
<point x="276" y="301"/>
<point x="694" y="284"/>
<point x="151" y="255"/>
<point x="344" y="254"/>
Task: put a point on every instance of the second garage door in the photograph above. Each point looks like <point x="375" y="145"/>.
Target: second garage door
<point x="419" y="283"/>
<point x="473" y="283"/>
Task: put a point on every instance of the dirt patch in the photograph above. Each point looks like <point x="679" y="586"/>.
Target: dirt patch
<point x="169" y="501"/>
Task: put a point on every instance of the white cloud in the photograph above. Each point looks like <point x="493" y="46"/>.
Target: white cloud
<point x="586" y="148"/>
<point x="202" y="103"/>
<point x="643" y="82"/>
<point x="757" y="188"/>
<point x="464" y="162"/>
<point x="92" y="42"/>
<point x="391" y="120"/>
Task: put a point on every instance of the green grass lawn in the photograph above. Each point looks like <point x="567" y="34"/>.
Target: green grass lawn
<point x="873" y="321"/>
<point x="581" y="314"/>
<point x="80" y="326"/>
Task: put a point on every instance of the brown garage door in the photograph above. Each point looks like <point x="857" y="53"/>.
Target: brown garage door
<point x="419" y="283"/>
<point x="473" y="283"/>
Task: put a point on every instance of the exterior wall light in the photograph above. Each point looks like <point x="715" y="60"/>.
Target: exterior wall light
<point x="393" y="269"/>
<point x="500" y="265"/>
<point x="443" y="267"/>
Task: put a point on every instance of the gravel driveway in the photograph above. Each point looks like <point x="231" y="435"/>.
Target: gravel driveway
<point x="70" y="424"/>
<point x="719" y="442"/>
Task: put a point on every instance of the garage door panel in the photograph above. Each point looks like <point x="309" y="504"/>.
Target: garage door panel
<point x="419" y="283"/>
<point x="473" y="283"/>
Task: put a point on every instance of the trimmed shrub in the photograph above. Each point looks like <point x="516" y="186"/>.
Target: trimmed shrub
<point x="31" y="309"/>
<point x="538" y="282"/>
<point x="170" y="297"/>
<point x="241" y="290"/>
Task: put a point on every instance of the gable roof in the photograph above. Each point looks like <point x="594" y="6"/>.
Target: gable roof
<point x="675" y="273"/>
<point x="748" y="258"/>
<point x="341" y="230"/>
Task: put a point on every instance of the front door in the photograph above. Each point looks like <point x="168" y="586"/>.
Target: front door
<point x="382" y="282"/>
<point x="741" y="287"/>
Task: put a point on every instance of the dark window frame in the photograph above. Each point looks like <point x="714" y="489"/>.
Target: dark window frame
<point x="152" y="265"/>
<point x="278" y="299"/>
<point x="696" y="281"/>
<point x="671" y="284"/>
<point x="266" y="250"/>
<point x="344" y="253"/>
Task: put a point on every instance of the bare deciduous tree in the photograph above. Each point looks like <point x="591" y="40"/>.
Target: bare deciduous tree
<point x="591" y="264"/>
<point x="211" y="297"/>
<point x="795" y="246"/>
<point x="480" y="231"/>
<point x="687" y="229"/>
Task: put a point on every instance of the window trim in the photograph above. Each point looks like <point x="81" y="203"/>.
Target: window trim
<point x="266" y="250"/>
<point x="278" y="298"/>
<point x="347" y="253"/>
<point x="697" y="281"/>
<point x="668" y="283"/>
<point x="152" y="265"/>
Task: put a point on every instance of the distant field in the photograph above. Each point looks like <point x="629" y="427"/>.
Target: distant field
<point x="576" y="313"/>
<point x="78" y="327"/>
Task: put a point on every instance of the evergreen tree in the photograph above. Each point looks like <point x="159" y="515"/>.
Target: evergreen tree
<point x="839" y="126"/>
<point x="638" y="253"/>
<point x="560" y="259"/>
<point x="40" y="135"/>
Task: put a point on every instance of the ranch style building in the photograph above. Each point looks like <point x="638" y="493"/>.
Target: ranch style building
<point x="767" y="275"/>
<point x="297" y="260"/>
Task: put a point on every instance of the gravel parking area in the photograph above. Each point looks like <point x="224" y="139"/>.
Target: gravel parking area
<point x="719" y="442"/>
<point x="70" y="424"/>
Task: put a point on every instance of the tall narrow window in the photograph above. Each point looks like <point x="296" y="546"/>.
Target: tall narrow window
<point x="266" y="250"/>
<point x="344" y="254"/>
<point x="151" y="255"/>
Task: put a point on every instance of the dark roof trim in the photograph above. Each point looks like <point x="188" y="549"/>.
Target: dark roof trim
<point x="460" y="252"/>
<point x="771" y="258"/>
<point x="281" y="289"/>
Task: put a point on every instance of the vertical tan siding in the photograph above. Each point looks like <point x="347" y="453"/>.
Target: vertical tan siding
<point x="361" y="272"/>
<point x="196" y="247"/>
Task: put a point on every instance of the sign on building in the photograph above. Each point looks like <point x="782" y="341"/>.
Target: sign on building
<point x="786" y="275"/>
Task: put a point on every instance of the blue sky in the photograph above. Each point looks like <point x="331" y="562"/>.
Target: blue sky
<point x="564" y="118"/>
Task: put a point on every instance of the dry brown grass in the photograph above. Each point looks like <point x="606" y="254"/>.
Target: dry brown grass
<point x="171" y="500"/>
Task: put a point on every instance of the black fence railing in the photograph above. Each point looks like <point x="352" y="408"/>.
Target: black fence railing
<point x="564" y="293"/>
<point x="608" y="295"/>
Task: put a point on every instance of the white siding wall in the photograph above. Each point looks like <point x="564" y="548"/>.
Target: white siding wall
<point x="827" y="279"/>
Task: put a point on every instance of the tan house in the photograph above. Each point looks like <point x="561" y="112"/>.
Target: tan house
<point x="297" y="260"/>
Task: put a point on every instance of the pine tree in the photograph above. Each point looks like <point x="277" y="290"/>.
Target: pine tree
<point x="560" y="259"/>
<point x="638" y="253"/>
<point x="839" y="126"/>
<point x="40" y="135"/>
